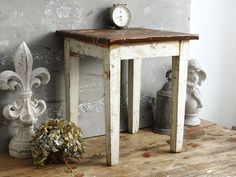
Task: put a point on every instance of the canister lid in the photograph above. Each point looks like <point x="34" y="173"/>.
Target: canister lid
<point x="166" y="89"/>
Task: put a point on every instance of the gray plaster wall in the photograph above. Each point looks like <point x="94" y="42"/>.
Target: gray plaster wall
<point x="35" y="22"/>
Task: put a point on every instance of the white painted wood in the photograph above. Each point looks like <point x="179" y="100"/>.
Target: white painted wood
<point x="148" y="50"/>
<point x="111" y="65"/>
<point x="88" y="49"/>
<point x="134" y="87"/>
<point x="128" y="51"/>
<point x="25" y="110"/>
<point x="71" y="82"/>
<point x="179" y="80"/>
<point x="111" y="60"/>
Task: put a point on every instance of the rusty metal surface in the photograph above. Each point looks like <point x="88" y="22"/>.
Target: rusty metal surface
<point x="107" y="37"/>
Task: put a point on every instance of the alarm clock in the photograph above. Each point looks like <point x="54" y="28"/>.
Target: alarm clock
<point x="118" y="16"/>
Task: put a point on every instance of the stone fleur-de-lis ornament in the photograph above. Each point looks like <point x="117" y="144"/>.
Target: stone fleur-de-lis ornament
<point x="193" y="100"/>
<point x="25" y="110"/>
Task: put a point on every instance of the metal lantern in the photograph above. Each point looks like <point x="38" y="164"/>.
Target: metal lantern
<point x="163" y="107"/>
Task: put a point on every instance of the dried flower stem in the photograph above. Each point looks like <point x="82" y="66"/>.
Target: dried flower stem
<point x="67" y="164"/>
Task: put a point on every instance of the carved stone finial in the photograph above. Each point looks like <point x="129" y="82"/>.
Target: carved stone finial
<point x="25" y="110"/>
<point x="193" y="101"/>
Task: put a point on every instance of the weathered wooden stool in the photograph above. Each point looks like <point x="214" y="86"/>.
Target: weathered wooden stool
<point x="132" y="44"/>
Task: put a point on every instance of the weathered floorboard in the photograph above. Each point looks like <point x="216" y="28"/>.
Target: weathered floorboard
<point x="208" y="150"/>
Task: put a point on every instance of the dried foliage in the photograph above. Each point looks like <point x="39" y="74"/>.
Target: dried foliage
<point x="57" y="141"/>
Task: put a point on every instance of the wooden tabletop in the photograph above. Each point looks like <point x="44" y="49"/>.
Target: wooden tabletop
<point x="108" y="37"/>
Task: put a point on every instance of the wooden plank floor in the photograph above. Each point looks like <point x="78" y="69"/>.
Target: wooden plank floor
<point x="209" y="150"/>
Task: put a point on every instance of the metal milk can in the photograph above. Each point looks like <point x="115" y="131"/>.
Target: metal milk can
<point x="163" y="108"/>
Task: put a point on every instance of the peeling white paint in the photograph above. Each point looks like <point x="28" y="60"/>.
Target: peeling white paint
<point x="93" y="106"/>
<point x="78" y="14"/>
<point x="63" y="11"/>
<point x="98" y="105"/>
<point x="48" y="12"/>
<point x="48" y="56"/>
<point x="66" y="16"/>
<point x="91" y="86"/>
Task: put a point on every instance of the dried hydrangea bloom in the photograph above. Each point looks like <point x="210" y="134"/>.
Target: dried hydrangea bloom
<point x="57" y="141"/>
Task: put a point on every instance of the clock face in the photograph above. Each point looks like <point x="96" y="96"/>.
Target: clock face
<point x="121" y="16"/>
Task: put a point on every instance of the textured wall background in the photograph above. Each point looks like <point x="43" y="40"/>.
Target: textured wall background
<point x="35" y="22"/>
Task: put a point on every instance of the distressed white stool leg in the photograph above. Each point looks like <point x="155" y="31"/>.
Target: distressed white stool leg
<point x="71" y="82"/>
<point x="134" y="87"/>
<point x="179" y="78"/>
<point x="112" y="106"/>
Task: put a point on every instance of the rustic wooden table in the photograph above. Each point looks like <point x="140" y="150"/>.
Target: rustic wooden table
<point x="131" y="44"/>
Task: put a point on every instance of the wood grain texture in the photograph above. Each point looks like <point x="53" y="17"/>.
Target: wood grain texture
<point x="148" y="50"/>
<point x="126" y="52"/>
<point x="179" y="81"/>
<point x="111" y="65"/>
<point x="71" y="82"/>
<point x="88" y="49"/>
<point x="134" y="88"/>
<point x="107" y="37"/>
<point x="209" y="151"/>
